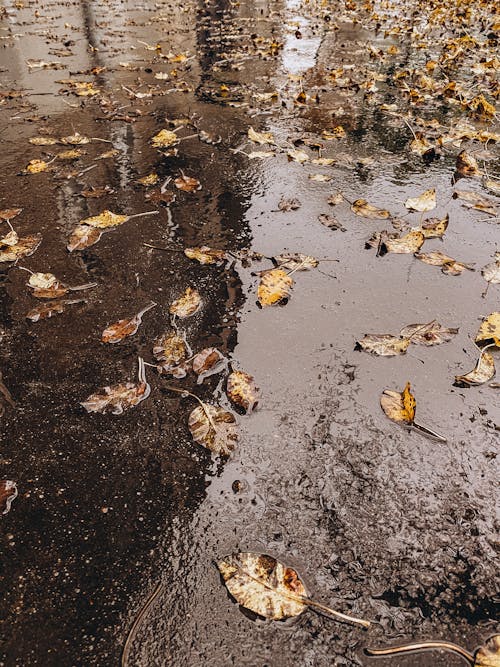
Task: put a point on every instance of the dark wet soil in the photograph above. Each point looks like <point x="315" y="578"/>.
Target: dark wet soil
<point x="380" y="522"/>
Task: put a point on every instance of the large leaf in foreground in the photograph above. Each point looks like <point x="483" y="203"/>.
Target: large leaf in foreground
<point x="269" y="588"/>
<point x="274" y="287"/>
<point x="214" y="428"/>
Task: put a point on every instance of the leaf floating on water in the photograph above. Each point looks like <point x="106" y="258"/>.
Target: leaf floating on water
<point x="477" y="202"/>
<point x="206" y="255"/>
<point x="489" y="331"/>
<point x="208" y="362"/>
<point x="25" y="247"/>
<point x="296" y="155"/>
<point x="448" y="265"/>
<point x="423" y="203"/>
<point x="269" y="588"/>
<point x="362" y="208"/>
<point x="295" y="261"/>
<point x="171" y="350"/>
<point x="434" y="228"/>
<point x="104" y="220"/>
<point x="35" y="167"/>
<point x="407" y="244"/>
<point x="260" y="137"/>
<point x="467" y="165"/>
<point x="336" y="199"/>
<point x="8" y="493"/>
<point x="47" y="286"/>
<point x="214" y="428"/>
<point x="383" y="345"/>
<point x="127" y="327"/>
<point x="83" y="236"/>
<point x="187" y="304"/>
<point x="187" y="184"/>
<point x="242" y="391"/>
<point x="164" y="139"/>
<point x="119" y="397"/>
<point x="49" y="309"/>
<point x="484" y="371"/>
<point x="428" y="334"/>
<point x="289" y="204"/>
<point x="399" y="407"/>
<point x="274" y="288"/>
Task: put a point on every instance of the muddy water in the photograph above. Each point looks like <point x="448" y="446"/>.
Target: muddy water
<point x="380" y="522"/>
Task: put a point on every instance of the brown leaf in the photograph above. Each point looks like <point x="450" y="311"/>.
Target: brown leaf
<point x="330" y="221"/>
<point x="399" y="407"/>
<point x="8" y="493"/>
<point x="274" y="288"/>
<point x="434" y="228"/>
<point x="242" y="390"/>
<point x="428" y="334"/>
<point x="448" y="264"/>
<point x="289" y="204"/>
<point x="76" y="139"/>
<point x="260" y="137"/>
<point x="206" y="255"/>
<point x="488" y="655"/>
<point x="383" y="345"/>
<point x="362" y="208"/>
<point x="9" y="213"/>
<point x="83" y="236"/>
<point x="25" y="247"/>
<point x="49" y="309"/>
<point x="214" y="428"/>
<point x="484" y="371"/>
<point x="187" y="184"/>
<point x="171" y="350"/>
<point x="96" y="193"/>
<point x="116" y="332"/>
<point x="489" y="331"/>
<point x="119" y="397"/>
<point x="467" y="165"/>
<point x="477" y="202"/>
<point x="208" y="362"/>
<point x="187" y="304"/>
<point x="295" y="261"/>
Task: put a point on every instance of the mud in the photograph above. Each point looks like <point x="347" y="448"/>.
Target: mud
<point x="380" y="522"/>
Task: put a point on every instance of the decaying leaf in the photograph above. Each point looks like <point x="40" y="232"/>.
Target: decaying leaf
<point x="428" y="334"/>
<point x="242" y="391"/>
<point x="209" y="361"/>
<point x="477" y="202"/>
<point x="484" y="371"/>
<point x="448" y="265"/>
<point x="489" y="331"/>
<point x="83" y="236"/>
<point x="296" y="155"/>
<point x="289" y="204"/>
<point x="206" y="255"/>
<point x="260" y="137"/>
<point x="424" y="202"/>
<point x="491" y="272"/>
<point x="488" y="655"/>
<point x="399" y="407"/>
<point x="269" y="588"/>
<point x="127" y="327"/>
<point x="25" y="247"/>
<point x="8" y="493"/>
<point x="295" y="261"/>
<point x="362" y="208"/>
<point x="43" y="280"/>
<point x="467" y="164"/>
<point x="214" y="428"/>
<point x="187" y="184"/>
<point x="434" y="228"/>
<point x="104" y="220"/>
<point x="383" y="345"/>
<point x="10" y="239"/>
<point x="171" y="350"/>
<point x="164" y="139"/>
<point x="49" y="309"/>
<point x="187" y="304"/>
<point x="119" y="397"/>
<point x="330" y="221"/>
<point x="274" y="287"/>
<point x="9" y="213"/>
<point x="35" y="167"/>
<point x="407" y="244"/>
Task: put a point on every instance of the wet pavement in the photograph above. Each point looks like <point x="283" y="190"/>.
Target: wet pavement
<point x="380" y="522"/>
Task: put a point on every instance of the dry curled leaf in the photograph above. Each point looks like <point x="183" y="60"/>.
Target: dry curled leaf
<point x="383" y="345"/>
<point x="295" y="261"/>
<point x="274" y="288"/>
<point x="467" y="165"/>
<point x="214" y="428"/>
<point x="104" y="220"/>
<point x="43" y="280"/>
<point x="164" y="139"/>
<point x="407" y="244"/>
<point x="296" y="155"/>
<point x="477" y="202"/>
<point x="116" y="332"/>
<point x="242" y="391"/>
<point x="35" y="167"/>
<point x="289" y="204"/>
<point x="431" y="333"/>
<point x="9" y="213"/>
<point x="484" y="371"/>
<point x="260" y="137"/>
<point x="448" y="265"/>
<point x="25" y="247"/>
<point x="49" y="309"/>
<point x="187" y="184"/>
<point x="489" y="331"/>
<point x="362" y="208"/>
<point x="8" y="493"/>
<point x="424" y="202"/>
<point x="269" y="588"/>
<point x="72" y="154"/>
<point x="187" y="304"/>
<point x="206" y="255"/>
<point x="119" y="397"/>
<point x="76" y="139"/>
<point x="434" y="228"/>
<point x="488" y="655"/>
<point x="83" y="236"/>
<point x="209" y="361"/>
<point x="399" y="407"/>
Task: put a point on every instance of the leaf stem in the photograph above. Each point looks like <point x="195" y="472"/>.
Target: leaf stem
<point x="337" y="614"/>
<point x="428" y="432"/>
<point x="139" y="215"/>
<point x="422" y="646"/>
<point x="139" y="618"/>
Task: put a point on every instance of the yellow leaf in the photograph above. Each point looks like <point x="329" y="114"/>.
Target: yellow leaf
<point x="36" y="166"/>
<point x="489" y="331"/>
<point x="104" y="220"/>
<point x="362" y="208"/>
<point x="164" y="139"/>
<point x="484" y="371"/>
<point x="187" y="304"/>
<point x="399" y="407"/>
<point x="205" y="255"/>
<point x="424" y="202"/>
<point x="274" y="287"/>
<point x="242" y="390"/>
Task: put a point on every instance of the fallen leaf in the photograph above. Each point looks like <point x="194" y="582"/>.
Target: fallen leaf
<point x="362" y="208"/>
<point x="42" y="141"/>
<point x="206" y="255"/>
<point x="108" y="154"/>
<point x="208" y="362"/>
<point x="95" y="193"/>
<point x="35" y="167"/>
<point x="323" y="162"/>
<point x="8" y="493"/>
<point x="76" y="139"/>
<point x="383" y="345"/>
<point x="488" y="655"/>
<point x="434" y="228"/>
<point x="187" y="304"/>
<point x="477" y="202"/>
<point x="25" y="247"/>
<point x="187" y="184"/>
<point x="10" y="239"/>
<point x="467" y="165"/>
<point x="484" y="371"/>
<point x="489" y="331"/>
<point x="428" y="334"/>
<point x="297" y="155"/>
<point x="83" y="236"/>
<point x="149" y="180"/>
<point x="43" y="280"/>
<point x="481" y="108"/>
<point x="260" y="137"/>
<point x="72" y="154"/>
<point x="491" y="272"/>
<point x="116" y="332"/>
<point x="330" y="221"/>
<point x="335" y="199"/>
<point x="49" y="309"/>
<point x="424" y="202"/>
<point x="289" y="204"/>
<point x="274" y="288"/>
<point x="104" y="220"/>
<point x="119" y="397"/>
<point x="269" y="588"/>
<point x="242" y="391"/>
<point x="164" y="139"/>
<point x="409" y="243"/>
<point x="320" y="178"/>
<point x="255" y="155"/>
<point x="295" y="261"/>
<point x="214" y="428"/>
<point x="399" y="407"/>
<point x="448" y="264"/>
<point x="9" y="213"/>
<point x="171" y="350"/>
